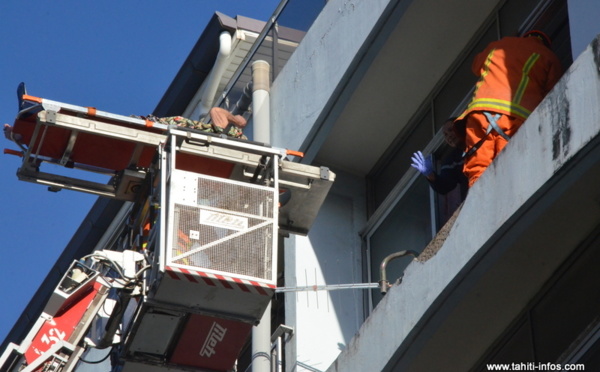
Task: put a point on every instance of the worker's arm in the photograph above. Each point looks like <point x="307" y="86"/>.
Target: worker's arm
<point x="450" y="173"/>
<point x="222" y="118"/>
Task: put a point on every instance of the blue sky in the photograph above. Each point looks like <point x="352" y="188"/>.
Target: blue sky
<point x="117" y="56"/>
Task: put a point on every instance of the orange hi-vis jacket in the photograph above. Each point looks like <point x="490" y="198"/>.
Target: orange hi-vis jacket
<point x="515" y="74"/>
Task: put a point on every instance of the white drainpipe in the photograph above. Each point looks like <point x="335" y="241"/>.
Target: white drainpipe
<point x="261" y="334"/>
<point x="205" y="96"/>
<point x="261" y="343"/>
<point x="260" y="101"/>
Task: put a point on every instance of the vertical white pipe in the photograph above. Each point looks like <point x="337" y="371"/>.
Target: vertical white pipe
<point x="261" y="334"/>
<point x="260" y="101"/>
<point x="261" y="343"/>
<point x="205" y="96"/>
<point x="279" y="367"/>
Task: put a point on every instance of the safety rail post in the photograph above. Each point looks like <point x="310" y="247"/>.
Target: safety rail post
<point x="383" y="282"/>
<point x="277" y="346"/>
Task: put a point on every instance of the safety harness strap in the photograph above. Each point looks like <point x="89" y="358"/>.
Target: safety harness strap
<point x="492" y="120"/>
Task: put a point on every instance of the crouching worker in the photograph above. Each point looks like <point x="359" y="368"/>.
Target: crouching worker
<point x="515" y="74"/>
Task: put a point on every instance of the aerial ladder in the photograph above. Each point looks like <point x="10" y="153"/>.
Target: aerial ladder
<point x="194" y="265"/>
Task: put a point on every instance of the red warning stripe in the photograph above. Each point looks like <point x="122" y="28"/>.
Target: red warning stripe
<point x="218" y="280"/>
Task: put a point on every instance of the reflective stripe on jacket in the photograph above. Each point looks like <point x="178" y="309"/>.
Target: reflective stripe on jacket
<point x="515" y="74"/>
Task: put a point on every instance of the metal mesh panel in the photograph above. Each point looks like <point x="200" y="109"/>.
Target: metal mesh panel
<point x="230" y="229"/>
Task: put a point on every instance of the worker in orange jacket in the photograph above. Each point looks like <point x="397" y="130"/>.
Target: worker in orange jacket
<point x="515" y="74"/>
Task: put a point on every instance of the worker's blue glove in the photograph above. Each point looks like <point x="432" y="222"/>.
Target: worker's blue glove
<point x="422" y="164"/>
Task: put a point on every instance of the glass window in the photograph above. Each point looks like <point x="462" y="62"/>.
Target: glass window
<point x="520" y="348"/>
<point x="394" y="166"/>
<point x="407" y="227"/>
<point x="548" y="330"/>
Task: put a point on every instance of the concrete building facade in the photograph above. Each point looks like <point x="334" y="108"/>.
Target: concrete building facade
<point x="383" y="77"/>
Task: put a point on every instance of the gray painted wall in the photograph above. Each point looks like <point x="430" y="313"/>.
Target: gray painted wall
<point x="325" y="321"/>
<point x="303" y="89"/>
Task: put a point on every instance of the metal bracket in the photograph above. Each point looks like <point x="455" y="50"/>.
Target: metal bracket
<point x="324" y="173"/>
<point x="69" y="150"/>
<point x="51" y="117"/>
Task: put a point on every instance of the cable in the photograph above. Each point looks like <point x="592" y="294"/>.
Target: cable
<point x="141" y="271"/>
<point x="98" y="361"/>
<point x="114" y="265"/>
